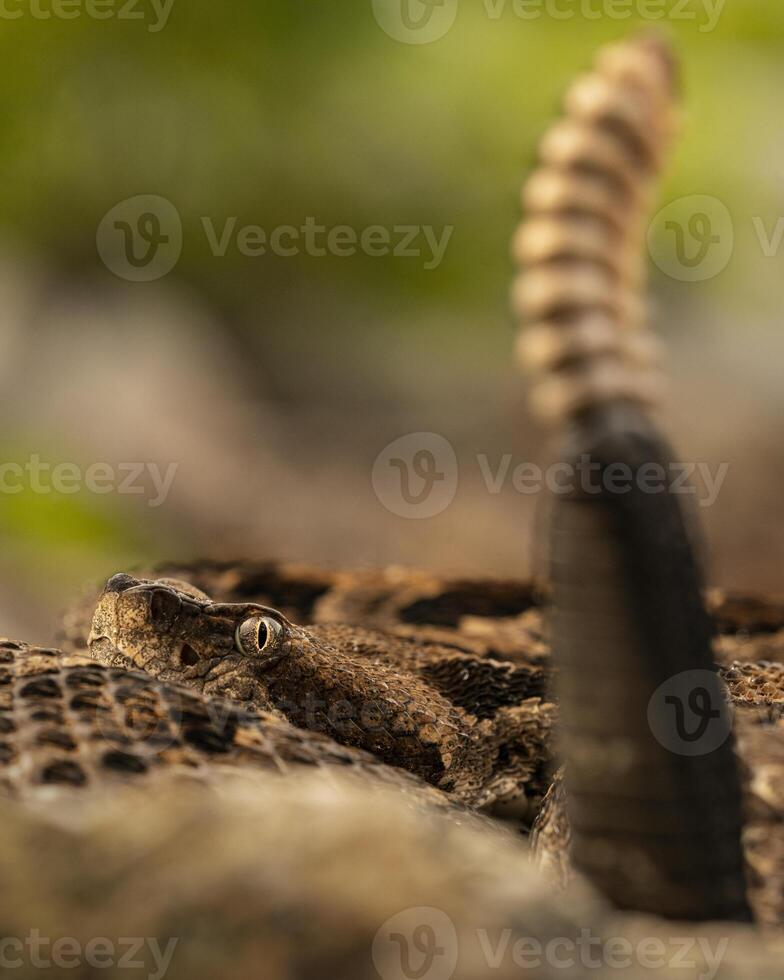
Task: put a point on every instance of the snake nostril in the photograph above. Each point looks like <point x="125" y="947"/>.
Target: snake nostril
<point x="120" y="582"/>
<point x="188" y="656"/>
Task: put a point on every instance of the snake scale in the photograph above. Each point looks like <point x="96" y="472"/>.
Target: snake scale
<point x="498" y="652"/>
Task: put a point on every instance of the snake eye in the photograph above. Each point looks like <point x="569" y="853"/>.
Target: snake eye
<point x="259" y="635"/>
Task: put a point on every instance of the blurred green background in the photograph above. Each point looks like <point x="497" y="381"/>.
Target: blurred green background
<point x="274" y="382"/>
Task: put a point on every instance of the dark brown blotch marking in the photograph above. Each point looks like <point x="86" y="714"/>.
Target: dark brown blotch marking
<point x="41" y="687"/>
<point x="63" y="771"/>
<point x="89" y="700"/>
<point x="56" y="737"/>
<point x="124" y="762"/>
<point x="52" y="714"/>
<point x="85" y="678"/>
<point x="209" y="740"/>
<point x="189" y="716"/>
<point x="139" y="692"/>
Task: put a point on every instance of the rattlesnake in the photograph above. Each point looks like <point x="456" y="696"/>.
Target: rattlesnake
<point x="638" y="621"/>
<point x="476" y="728"/>
<point x="307" y="872"/>
<point x="272" y="887"/>
<point x="744" y="626"/>
<point x="69" y="724"/>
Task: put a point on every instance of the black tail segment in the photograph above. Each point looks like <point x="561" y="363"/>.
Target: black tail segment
<point x="652" y="784"/>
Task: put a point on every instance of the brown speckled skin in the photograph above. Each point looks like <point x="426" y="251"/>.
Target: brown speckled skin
<point x="68" y="724"/>
<point x="482" y="616"/>
<point x="749" y="644"/>
<point x="295" y="882"/>
<point x="475" y="728"/>
<point x="757" y="695"/>
<point x="500" y="619"/>
<point x="431" y="622"/>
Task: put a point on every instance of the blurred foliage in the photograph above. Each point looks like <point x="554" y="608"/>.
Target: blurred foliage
<point x="278" y="110"/>
<point x="51" y="538"/>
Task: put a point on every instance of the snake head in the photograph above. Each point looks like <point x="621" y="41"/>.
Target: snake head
<point x="174" y="631"/>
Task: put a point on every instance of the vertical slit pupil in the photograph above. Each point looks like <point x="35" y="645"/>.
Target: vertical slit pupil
<point x="263" y="635"/>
